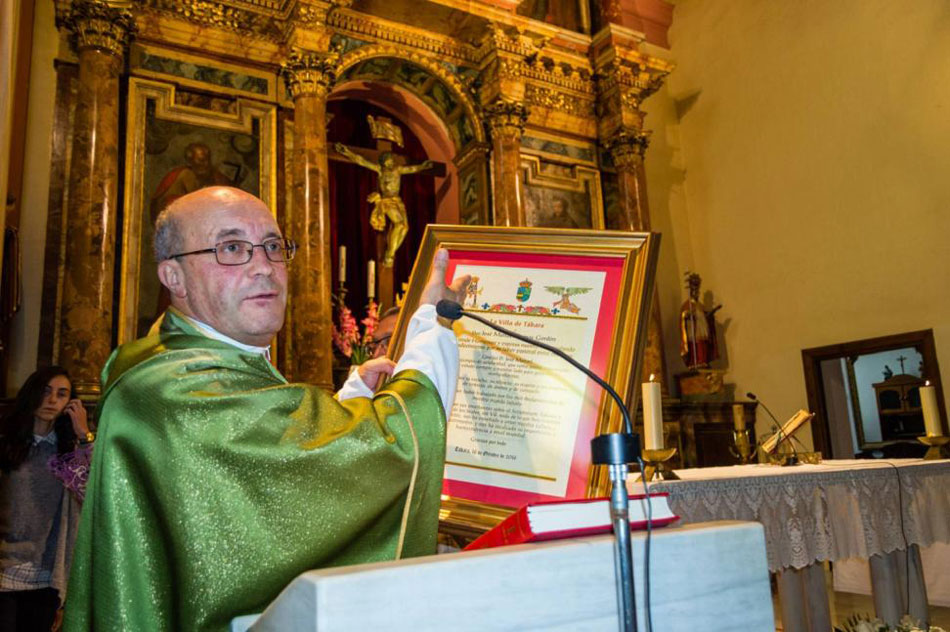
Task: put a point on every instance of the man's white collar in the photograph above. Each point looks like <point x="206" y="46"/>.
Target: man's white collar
<point x="211" y="332"/>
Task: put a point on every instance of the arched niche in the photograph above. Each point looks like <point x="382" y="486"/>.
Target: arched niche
<point x="427" y="97"/>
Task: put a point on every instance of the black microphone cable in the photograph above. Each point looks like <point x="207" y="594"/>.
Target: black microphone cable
<point x="453" y="311"/>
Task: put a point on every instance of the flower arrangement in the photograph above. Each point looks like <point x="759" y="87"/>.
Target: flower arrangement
<point x="856" y="623"/>
<point x="349" y="340"/>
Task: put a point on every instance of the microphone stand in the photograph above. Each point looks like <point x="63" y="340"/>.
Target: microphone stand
<point x="615" y="450"/>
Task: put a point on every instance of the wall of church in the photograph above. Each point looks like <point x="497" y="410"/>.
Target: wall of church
<point x="807" y="182"/>
<point x="25" y="328"/>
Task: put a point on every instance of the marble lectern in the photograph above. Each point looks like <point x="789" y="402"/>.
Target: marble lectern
<point x="711" y="577"/>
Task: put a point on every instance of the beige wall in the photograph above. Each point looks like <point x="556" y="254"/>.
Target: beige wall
<point x="809" y="178"/>
<point x="25" y="330"/>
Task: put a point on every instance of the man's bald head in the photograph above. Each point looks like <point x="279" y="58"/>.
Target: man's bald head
<point x="168" y="225"/>
<point x="245" y="302"/>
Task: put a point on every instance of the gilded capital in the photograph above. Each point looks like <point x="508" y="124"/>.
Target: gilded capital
<point x="627" y="147"/>
<point x="101" y="26"/>
<point x="506" y="117"/>
<point x="310" y="73"/>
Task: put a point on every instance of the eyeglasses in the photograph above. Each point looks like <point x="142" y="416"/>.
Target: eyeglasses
<point x="236" y="252"/>
<point x="380" y="344"/>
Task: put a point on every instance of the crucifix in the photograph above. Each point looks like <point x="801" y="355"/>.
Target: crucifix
<point x="387" y="202"/>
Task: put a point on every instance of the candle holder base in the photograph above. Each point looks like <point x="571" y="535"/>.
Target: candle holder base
<point x="936" y="445"/>
<point x="743" y="446"/>
<point x="655" y="466"/>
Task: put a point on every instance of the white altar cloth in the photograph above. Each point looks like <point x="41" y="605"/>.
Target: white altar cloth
<point x="880" y="509"/>
<point x="832" y="511"/>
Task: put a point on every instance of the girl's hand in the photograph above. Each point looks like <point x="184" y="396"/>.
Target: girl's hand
<point x="77" y="414"/>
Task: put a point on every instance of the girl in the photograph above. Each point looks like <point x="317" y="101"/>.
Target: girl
<point x="45" y="447"/>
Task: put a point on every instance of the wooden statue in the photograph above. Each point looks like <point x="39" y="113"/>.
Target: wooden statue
<point x="697" y="328"/>
<point x="386" y="202"/>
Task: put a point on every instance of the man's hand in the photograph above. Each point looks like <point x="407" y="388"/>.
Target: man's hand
<point x="340" y="148"/>
<point x="78" y="417"/>
<point x="372" y="371"/>
<point x="436" y="289"/>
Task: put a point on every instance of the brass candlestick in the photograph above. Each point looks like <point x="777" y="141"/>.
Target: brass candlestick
<point x="743" y="446"/>
<point x="936" y="445"/>
<point x="655" y="466"/>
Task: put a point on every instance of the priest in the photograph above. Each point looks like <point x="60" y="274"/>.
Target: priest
<point x="215" y="481"/>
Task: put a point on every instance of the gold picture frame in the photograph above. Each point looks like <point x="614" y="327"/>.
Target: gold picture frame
<point x="629" y="261"/>
<point x="554" y="195"/>
<point x="249" y="125"/>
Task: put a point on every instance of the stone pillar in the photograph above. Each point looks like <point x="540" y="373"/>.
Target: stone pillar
<point x="101" y="35"/>
<point x="506" y="124"/>
<point x="309" y="76"/>
<point x="625" y="78"/>
<point x="626" y="150"/>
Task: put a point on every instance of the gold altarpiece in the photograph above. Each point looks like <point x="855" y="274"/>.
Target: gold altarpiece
<point x="544" y="124"/>
<point x="539" y="126"/>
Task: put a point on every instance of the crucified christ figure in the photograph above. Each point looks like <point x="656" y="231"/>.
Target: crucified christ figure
<point x="386" y="202"/>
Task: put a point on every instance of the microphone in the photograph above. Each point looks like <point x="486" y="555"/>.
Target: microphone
<point x="615" y="450"/>
<point x="448" y="309"/>
<point x="791" y="460"/>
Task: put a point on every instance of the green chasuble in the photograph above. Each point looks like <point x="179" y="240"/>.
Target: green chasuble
<point x="214" y="483"/>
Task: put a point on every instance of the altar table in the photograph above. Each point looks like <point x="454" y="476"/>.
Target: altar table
<point x="881" y="510"/>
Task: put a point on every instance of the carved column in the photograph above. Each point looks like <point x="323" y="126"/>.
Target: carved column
<point x="506" y="125"/>
<point x="101" y="35"/>
<point x="625" y="78"/>
<point x="626" y="150"/>
<point x="309" y="76"/>
<point x="505" y="56"/>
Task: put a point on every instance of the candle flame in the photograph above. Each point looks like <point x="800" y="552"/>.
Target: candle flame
<point x="927" y="383"/>
<point x="652" y="377"/>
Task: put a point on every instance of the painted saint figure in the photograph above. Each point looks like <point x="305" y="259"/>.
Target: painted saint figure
<point x="386" y="202"/>
<point x="198" y="172"/>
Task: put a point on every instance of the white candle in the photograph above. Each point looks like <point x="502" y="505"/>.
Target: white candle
<point x="652" y="415"/>
<point x="738" y="417"/>
<point x="342" y="274"/>
<point x="928" y="403"/>
<point x="371" y="279"/>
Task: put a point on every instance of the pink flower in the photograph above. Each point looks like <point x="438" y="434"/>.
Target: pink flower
<point x="348" y="333"/>
<point x="370" y="322"/>
<point x="347" y="336"/>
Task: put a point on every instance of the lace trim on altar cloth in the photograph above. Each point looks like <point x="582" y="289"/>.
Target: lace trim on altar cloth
<point x="832" y="511"/>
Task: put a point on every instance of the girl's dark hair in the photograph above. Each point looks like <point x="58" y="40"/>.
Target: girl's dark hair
<point x="16" y="427"/>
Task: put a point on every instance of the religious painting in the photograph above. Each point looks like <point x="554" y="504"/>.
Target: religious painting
<point x="520" y="427"/>
<point x="560" y="196"/>
<point x="175" y="149"/>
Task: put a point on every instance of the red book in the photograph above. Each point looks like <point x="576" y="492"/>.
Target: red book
<point x="571" y="519"/>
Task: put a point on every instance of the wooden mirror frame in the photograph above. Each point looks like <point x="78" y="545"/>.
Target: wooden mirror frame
<point x="812" y="358"/>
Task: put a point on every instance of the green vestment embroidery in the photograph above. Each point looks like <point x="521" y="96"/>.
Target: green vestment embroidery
<point x="215" y="482"/>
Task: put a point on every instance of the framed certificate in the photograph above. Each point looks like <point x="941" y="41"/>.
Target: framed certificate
<point x="522" y="420"/>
